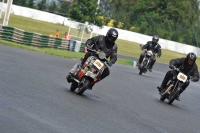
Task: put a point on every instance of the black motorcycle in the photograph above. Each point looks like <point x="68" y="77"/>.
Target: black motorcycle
<point x="172" y="90"/>
<point x="144" y="66"/>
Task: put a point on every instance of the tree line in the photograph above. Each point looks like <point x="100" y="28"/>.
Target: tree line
<point x="170" y="19"/>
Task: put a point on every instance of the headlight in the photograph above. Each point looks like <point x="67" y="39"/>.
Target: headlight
<point x="102" y="55"/>
<point x="149" y="53"/>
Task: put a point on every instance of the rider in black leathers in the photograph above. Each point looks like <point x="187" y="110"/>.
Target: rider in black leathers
<point x="156" y="49"/>
<point x="105" y="44"/>
<point x="187" y="66"/>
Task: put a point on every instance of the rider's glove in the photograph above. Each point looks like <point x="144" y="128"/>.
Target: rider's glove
<point x="194" y="79"/>
<point x="172" y="67"/>
<point x="109" y="63"/>
<point x="92" y="46"/>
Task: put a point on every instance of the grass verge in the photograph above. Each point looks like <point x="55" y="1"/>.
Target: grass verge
<point x="56" y="52"/>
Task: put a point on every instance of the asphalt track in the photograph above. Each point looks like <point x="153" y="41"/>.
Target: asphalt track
<point x="35" y="98"/>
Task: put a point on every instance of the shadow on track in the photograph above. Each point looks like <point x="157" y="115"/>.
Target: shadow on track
<point x="84" y="95"/>
<point x="175" y="106"/>
<point x="144" y="75"/>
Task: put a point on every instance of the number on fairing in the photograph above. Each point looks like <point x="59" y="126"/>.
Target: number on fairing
<point x="98" y="64"/>
<point x="182" y="77"/>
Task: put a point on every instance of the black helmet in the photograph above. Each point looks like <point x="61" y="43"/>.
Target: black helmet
<point x="155" y="39"/>
<point x="190" y="60"/>
<point x="191" y="56"/>
<point x="112" y="35"/>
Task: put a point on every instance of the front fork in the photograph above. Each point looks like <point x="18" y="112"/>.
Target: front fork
<point x="141" y="65"/>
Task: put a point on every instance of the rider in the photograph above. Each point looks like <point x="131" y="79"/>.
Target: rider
<point x="155" y="47"/>
<point x="105" y="44"/>
<point x="187" y="66"/>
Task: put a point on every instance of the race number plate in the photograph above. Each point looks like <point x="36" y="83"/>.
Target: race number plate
<point x="182" y="77"/>
<point x="98" y="64"/>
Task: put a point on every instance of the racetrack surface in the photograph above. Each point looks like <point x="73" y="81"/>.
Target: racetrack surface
<point x="35" y="98"/>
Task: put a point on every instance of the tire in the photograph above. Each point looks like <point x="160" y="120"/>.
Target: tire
<point x="173" y="97"/>
<point x="140" y="73"/>
<point x="73" y="86"/>
<point x="83" y="87"/>
<point x="141" y="70"/>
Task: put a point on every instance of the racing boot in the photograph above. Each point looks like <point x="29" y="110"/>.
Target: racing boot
<point x="93" y="83"/>
<point x="90" y="86"/>
<point x="69" y="78"/>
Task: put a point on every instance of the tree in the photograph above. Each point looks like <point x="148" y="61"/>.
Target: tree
<point x="52" y="7"/>
<point x="64" y="7"/>
<point x="20" y="2"/>
<point x="86" y="11"/>
<point x="174" y="20"/>
<point x="30" y="4"/>
<point x="42" y="5"/>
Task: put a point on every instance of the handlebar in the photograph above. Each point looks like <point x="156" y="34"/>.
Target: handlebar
<point x="91" y="50"/>
<point x="178" y="70"/>
<point x="97" y="52"/>
<point x="174" y="68"/>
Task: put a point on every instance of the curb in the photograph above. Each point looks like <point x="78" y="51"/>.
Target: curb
<point x="133" y="63"/>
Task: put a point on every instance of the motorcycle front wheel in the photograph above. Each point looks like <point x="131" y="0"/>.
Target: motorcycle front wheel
<point x="83" y="87"/>
<point x="173" y="96"/>
<point x="141" y="70"/>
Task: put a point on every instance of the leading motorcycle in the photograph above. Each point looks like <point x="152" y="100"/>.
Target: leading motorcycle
<point x="89" y="73"/>
<point x="173" y="88"/>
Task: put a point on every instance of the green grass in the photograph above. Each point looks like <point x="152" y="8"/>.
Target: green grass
<point x="33" y="25"/>
<point x="124" y="47"/>
<point x="133" y="49"/>
<point x="56" y="52"/>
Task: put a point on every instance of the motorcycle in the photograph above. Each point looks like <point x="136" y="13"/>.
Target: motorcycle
<point x="144" y="66"/>
<point x="173" y="88"/>
<point x="82" y="76"/>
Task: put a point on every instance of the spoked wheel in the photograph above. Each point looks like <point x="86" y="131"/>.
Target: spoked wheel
<point x="141" y="70"/>
<point x="140" y="73"/>
<point x="73" y="86"/>
<point x="172" y="97"/>
<point x="85" y="83"/>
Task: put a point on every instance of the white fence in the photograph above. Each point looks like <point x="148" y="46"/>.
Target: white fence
<point x="123" y="34"/>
